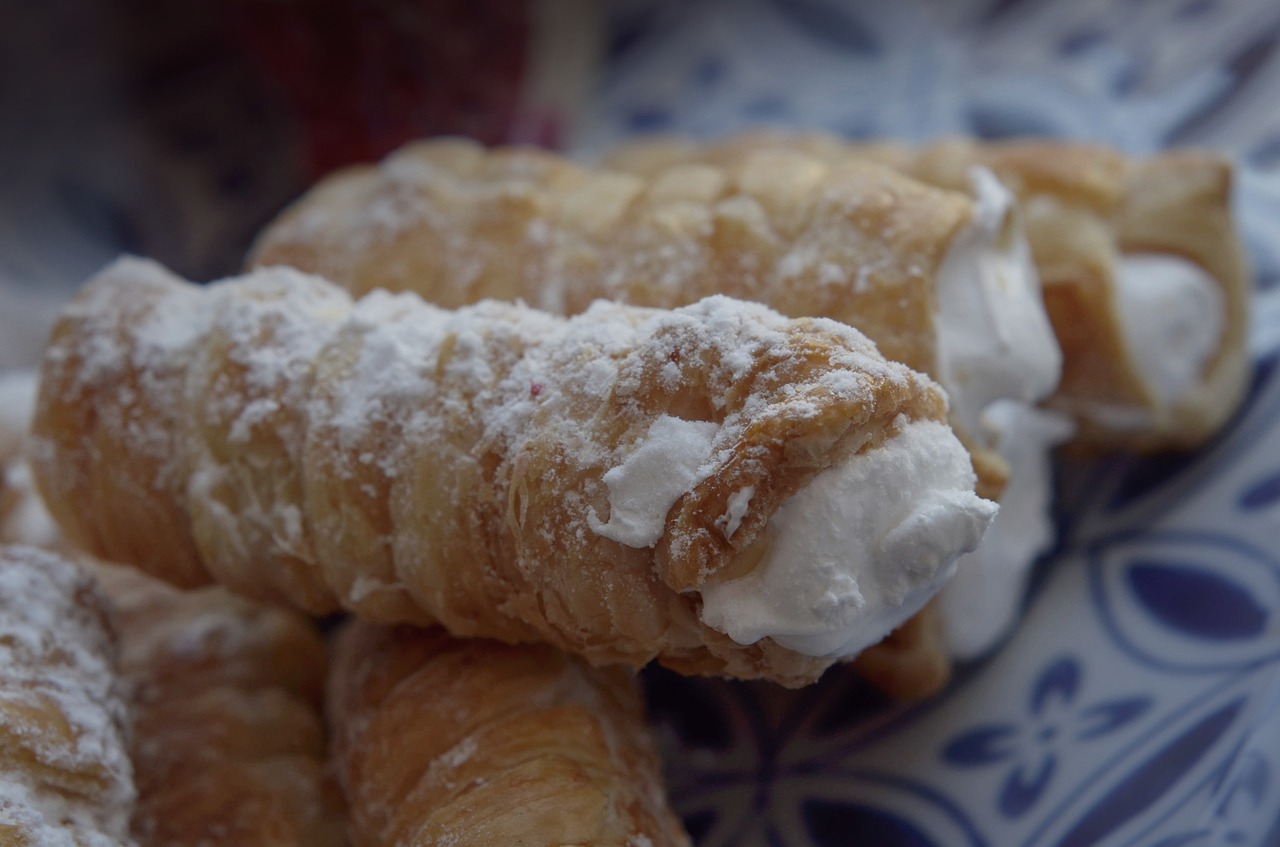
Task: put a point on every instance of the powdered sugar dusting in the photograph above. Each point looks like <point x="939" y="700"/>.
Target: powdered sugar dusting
<point x="451" y="422"/>
<point x="59" y="704"/>
<point x="459" y="223"/>
<point x="144" y="368"/>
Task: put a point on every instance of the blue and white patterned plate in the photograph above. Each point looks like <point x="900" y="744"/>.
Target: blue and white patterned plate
<point x="1139" y="701"/>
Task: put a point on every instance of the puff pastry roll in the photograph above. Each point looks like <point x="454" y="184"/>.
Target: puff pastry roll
<point x="1145" y="280"/>
<point x="719" y="487"/>
<point x="65" y="775"/>
<point x="225" y="701"/>
<point x="446" y="741"/>
<point x="941" y="282"/>
<point x="1143" y="268"/>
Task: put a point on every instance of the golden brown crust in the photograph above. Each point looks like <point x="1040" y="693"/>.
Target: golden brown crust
<point x="1181" y="203"/>
<point x="1176" y="204"/>
<point x="224" y="701"/>
<point x="456" y="224"/>
<point x="483" y="435"/>
<point x="445" y="741"/>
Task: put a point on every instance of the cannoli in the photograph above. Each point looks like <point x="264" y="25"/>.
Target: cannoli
<point x="224" y="699"/>
<point x="627" y="484"/>
<point x="65" y="775"/>
<point x="1143" y="269"/>
<point x="469" y="741"/>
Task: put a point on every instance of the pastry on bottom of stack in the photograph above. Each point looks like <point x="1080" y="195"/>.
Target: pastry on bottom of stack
<point x="440" y="740"/>
<point x="65" y="774"/>
<point x="218" y="698"/>
<point x="224" y="700"/>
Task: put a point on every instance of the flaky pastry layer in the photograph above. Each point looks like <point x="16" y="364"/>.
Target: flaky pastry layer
<point x="414" y="464"/>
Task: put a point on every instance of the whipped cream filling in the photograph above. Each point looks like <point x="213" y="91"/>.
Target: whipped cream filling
<point x="665" y="464"/>
<point x="995" y="341"/>
<point x="981" y="603"/>
<point x="1173" y="315"/>
<point x="859" y="549"/>
<point x="998" y="356"/>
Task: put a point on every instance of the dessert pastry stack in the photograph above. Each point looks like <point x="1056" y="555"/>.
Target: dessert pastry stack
<point x="939" y="280"/>
<point x="747" y="410"/>
<point x="534" y="542"/>
<point x="1022" y="253"/>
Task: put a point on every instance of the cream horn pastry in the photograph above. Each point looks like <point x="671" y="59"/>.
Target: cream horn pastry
<point x="1145" y="280"/>
<point x="719" y="487"/>
<point x="941" y="282"/>
<point x="224" y="700"/>
<point x="65" y="774"/>
<point x="1144" y="272"/>
<point x="440" y="740"/>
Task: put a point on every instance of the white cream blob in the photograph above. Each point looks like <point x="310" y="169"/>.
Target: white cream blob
<point x="859" y="549"/>
<point x="997" y="357"/>
<point x="736" y="510"/>
<point x="1173" y="314"/>
<point x="982" y="601"/>
<point x="665" y="464"/>
<point x="995" y="341"/>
